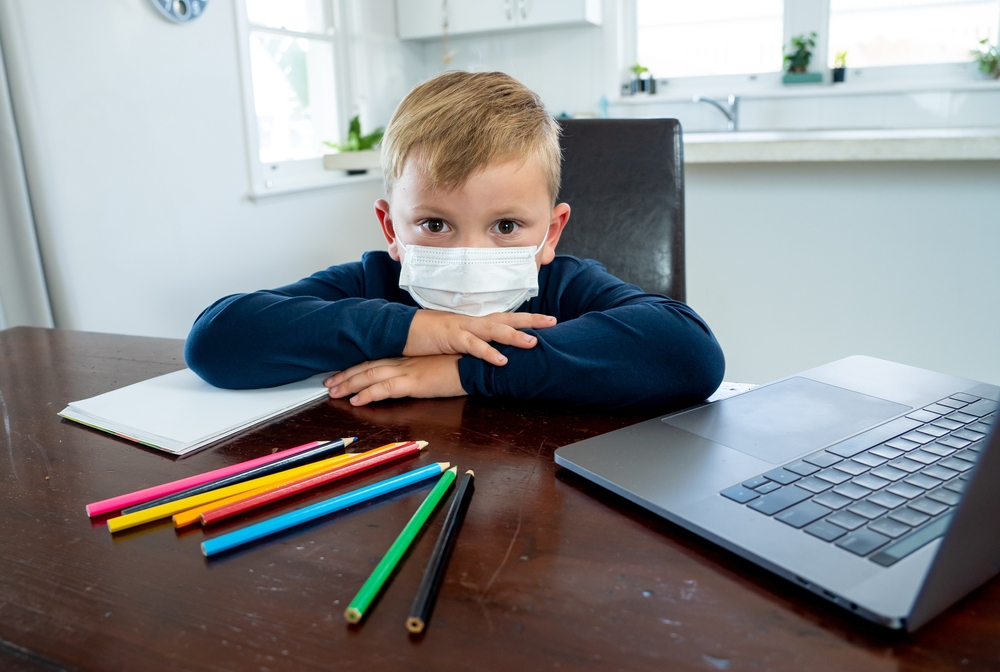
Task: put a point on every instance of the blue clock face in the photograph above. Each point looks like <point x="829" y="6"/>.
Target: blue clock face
<point x="180" y="11"/>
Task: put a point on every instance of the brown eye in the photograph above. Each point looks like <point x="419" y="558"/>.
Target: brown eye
<point x="435" y="225"/>
<point x="506" y="227"/>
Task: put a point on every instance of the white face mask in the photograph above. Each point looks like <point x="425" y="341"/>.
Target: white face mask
<point x="472" y="281"/>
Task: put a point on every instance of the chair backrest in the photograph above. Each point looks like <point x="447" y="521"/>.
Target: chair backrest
<point x="624" y="180"/>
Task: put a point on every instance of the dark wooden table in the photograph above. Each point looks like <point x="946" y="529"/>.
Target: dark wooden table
<point x="550" y="572"/>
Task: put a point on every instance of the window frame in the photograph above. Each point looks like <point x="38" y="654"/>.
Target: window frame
<point x="799" y="16"/>
<point x="295" y="175"/>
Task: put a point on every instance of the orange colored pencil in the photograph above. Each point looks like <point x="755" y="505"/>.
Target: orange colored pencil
<point x="218" y="513"/>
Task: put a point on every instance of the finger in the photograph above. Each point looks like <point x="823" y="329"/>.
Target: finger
<point x="498" y="332"/>
<point x="364" y="378"/>
<point x="477" y="347"/>
<point x="390" y="388"/>
<point x="522" y="320"/>
<point x="339" y="378"/>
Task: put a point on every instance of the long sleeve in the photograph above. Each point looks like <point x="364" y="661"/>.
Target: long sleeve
<point x="614" y="346"/>
<point x="329" y="321"/>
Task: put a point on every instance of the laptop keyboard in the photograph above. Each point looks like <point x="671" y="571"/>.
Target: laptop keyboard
<point x="886" y="492"/>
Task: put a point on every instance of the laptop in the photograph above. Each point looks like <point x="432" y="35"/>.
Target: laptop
<point x="870" y="483"/>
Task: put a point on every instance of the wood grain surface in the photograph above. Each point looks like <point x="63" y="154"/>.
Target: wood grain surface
<point x="550" y="572"/>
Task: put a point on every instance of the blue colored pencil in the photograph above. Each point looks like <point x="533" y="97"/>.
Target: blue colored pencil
<point x="265" y="528"/>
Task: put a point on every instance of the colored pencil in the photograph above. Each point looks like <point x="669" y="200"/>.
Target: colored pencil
<point x="191" y="516"/>
<point x="423" y="603"/>
<point x="356" y="609"/>
<point x="323" y="450"/>
<point x="139" y="496"/>
<point x="265" y="528"/>
<point x="226" y="509"/>
<point x="170" y="508"/>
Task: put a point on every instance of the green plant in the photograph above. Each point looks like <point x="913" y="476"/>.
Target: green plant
<point x="987" y="58"/>
<point x="840" y="59"/>
<point x="355" y="141"/>
<point x="798" y="60"/>
<point x="637" y="69"/>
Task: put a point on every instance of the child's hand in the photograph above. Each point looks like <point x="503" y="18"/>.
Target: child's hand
<point x="434" y="332"/>
<point x="422" y="377"/>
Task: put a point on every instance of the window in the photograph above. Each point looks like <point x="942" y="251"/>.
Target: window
<point x="718" y="37"/>
<point x="904" y="32"/>
<point x="294" y="91"/>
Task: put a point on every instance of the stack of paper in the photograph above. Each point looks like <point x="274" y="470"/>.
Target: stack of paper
<point x="179" y="412"/>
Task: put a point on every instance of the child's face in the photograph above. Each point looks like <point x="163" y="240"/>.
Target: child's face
<point x="504" y="205"/>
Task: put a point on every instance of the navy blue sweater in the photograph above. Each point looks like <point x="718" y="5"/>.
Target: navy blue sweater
<point x="614" y="346"/>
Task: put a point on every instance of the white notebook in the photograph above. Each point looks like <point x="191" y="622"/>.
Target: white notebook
<point x="179" y="412"/>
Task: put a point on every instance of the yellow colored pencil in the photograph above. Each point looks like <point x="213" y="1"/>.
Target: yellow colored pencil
<point x="170" y="508"/>
<point x="193" y="515"/>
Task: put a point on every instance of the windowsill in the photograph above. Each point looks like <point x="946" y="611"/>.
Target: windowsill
<point x="307" y="183"/>
<point x="936" y="144"/>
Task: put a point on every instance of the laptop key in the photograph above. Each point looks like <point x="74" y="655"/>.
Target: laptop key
<point x="887" y="452"/>
<point x="846" y="520"/>
<point x="923" y="416"/>
<point x="866" y="510"/>
<point x="782" y="476"/>
<point x="822" y="459"/>
<point x="922" y="481"/>
<point x="959" y="416"/>
<point x="932" y="430"/>
<point x="955" y="463"/>
<point x="887" y="499"/>
<point x="770" y="486"/>
<point x="740" y="494"/>
<point x="851" y="467"/>
<point x="802" y="514"/>
<point x="918" y="437"/>
<point x="851" y="490"/>
<point x="908" y="543"/>
<point x="889" y="528"/>
<point x="977" y="446"/>
<point x="889" y="473"/>
<point x="968" y="434"/>
<point x="909" y="516"/>
<point x="937" y="471"/>
<point x="938" y="449"/>
<point x="802" y="468"/>
<point x="873" y="437"/>
<point x="944" y="496"/>
<point x="958" y="485"/>
<point x="967" y="398"/>
<point x="779" y="500"/>
<point x="946" y="424"/>
<point x="905" y="490"/>
<point x="928" y="506"/>
<point x="813" y="484"/>
<point x="825" y="530"/>
<point x="863" y="542"/>
<point x="833" y="476"/>
<point x="902" y="444"/>
<point x="953" y="403"/>
<point x="967" y="455"/>
<point x="954" y="442"/>
<point x="755" y="482"/>
<point x="871" y="482"/>
<point x="832" y="500"/>
<point x="923" y="457"/>
<point x="938" y="408"/>
<point x="870" y="460"/>
<point x="978" y="427"/>
<point x="906" y="465"/>
<point x="980" y="408"/>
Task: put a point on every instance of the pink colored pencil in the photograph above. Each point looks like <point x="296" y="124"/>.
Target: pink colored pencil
<point x="140" y="496"/>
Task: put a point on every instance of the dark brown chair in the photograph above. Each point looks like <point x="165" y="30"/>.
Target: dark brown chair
<point x="624" y="180"/>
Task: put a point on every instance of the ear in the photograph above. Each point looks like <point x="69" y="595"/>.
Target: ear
<point x="388" y="230"/>
<point x="560" y="215"/>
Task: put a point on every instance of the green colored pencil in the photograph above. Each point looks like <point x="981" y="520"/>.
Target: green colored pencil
<point x="356" y="609"/>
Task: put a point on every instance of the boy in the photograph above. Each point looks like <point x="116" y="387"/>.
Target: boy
<point x="471" y="165"/>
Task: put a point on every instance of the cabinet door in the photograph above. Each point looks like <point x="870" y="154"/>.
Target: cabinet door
<point x="479" y="16"/>
<point x="418" y="18"/>
<point x="557" y="12"/>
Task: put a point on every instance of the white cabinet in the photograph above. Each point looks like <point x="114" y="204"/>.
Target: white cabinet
<point x="422" y="19"/>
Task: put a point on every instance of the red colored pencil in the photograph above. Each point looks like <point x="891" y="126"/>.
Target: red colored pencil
<point x="230" y="510"/>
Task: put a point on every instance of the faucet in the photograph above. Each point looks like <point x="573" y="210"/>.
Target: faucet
<point x="732" y="110"/>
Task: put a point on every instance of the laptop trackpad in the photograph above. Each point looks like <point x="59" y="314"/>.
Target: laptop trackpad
<point x="781" y="421"/>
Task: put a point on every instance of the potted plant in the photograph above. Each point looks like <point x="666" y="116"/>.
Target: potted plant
<point x="987" y="58"/>
<point x="642" y="80"/>
<point x="839" y="66"/>
<point x="797" y="62"/>
<point x="358" y="153"/>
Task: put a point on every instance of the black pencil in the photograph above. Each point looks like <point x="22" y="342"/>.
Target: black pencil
<point x="328" y="449"/>
<point x="423" y="603"/>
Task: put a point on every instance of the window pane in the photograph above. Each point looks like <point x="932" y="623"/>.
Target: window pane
<point x="721" y="37"/>
<point x="302" y="15"/>
<point x="293" y="92"/>
<point x="900" y="32"/>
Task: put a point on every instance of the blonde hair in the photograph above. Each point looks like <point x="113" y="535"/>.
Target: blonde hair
<point x="458" y="123"/>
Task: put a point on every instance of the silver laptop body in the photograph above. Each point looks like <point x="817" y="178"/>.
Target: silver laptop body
<point x="862" y="480"/>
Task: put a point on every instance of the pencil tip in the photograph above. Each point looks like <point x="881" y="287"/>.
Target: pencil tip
<point x="470" y="472"/>
<point x="352" y="615"/>
<point x="204" y="551"/>
<point x="349" y="440"/>
<point x="422" y="444"/>
<point x="444" y="465"/>
<point x="414" y="625"/>
<point x="454" y="469"/>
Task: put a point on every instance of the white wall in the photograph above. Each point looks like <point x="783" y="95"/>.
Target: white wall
<point x="137" y="165"/>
